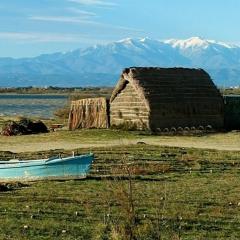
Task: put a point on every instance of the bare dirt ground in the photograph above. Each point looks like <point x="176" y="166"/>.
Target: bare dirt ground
<point x="69" y="141"/>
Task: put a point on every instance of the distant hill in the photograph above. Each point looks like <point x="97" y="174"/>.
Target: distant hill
<point x="101" y="65"/>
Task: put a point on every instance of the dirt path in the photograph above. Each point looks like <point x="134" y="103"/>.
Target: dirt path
<point x="227" y="142"/>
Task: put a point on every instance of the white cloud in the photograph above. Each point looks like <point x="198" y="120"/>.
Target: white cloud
<point x="81" y="12"/>
<point x="94" y="3"/>
<point x="82" y="21"/>
<point x="63" y="19"/>
<point x="43" y="37"/>
<point x="15" y="36"/>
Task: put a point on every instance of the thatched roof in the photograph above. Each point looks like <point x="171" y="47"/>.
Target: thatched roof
<point x="167" y="84"/>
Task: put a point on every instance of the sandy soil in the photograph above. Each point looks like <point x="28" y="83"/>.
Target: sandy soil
<point x="229" y="142"/>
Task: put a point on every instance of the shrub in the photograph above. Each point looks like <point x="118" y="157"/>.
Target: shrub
<point x="62" y="113"/>
<point x="130" y="126"/>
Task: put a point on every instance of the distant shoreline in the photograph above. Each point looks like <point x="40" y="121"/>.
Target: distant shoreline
<point x="83" y="91"/>
<point x="36" y="94"/>
<point x="54" y="90"/>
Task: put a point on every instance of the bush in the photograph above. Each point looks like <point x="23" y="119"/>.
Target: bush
<point x="130" y="126"/>
<point x="62" y="113"/>
<point x="126" y="126"/>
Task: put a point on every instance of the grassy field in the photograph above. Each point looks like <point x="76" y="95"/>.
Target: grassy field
<point x="141" y="186"/>
<point x="132" y="192"/>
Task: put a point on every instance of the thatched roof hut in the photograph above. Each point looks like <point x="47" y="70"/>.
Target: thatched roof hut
<point x="157" y="98"/>
<point x="89" y="113"/>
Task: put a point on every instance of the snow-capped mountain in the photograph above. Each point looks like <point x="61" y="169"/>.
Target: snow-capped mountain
<point x="207" y="53"/>
<point x="102" y="64"/>
<point x="196" y="43"/>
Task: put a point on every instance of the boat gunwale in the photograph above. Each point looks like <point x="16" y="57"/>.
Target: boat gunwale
<point x="40" y="162"/>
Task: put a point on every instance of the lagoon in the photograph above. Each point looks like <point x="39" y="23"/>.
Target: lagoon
<point x="31" y="105"/>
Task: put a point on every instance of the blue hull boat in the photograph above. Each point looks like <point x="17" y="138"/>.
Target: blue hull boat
<point x="52" y="168"/>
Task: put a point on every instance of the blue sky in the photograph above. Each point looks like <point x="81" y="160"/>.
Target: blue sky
<point x="33" y="27"/>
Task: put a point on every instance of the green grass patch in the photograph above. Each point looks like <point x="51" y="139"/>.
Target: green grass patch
<point x="176" y="193"/>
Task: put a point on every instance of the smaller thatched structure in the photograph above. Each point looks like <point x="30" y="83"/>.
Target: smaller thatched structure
<point x="89" y="113"/>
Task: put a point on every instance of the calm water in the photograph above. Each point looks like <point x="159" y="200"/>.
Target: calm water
<point x="31" y="105"/>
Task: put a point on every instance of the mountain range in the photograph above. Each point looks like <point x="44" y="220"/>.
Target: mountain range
<point x="101" y="65"/>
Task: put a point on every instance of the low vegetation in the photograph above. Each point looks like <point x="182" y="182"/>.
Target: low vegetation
<point x="80" y="91"/>
<point x="77" y="94"/>
<point x="84" y="91"/>
<point x="62" y="113"/>
<point x="230" y="91"/>
<point x="134" y="192"/>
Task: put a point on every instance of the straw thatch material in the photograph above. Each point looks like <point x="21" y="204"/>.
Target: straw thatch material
<point x="153" y="98"/>
<point x="88" y="113"/>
